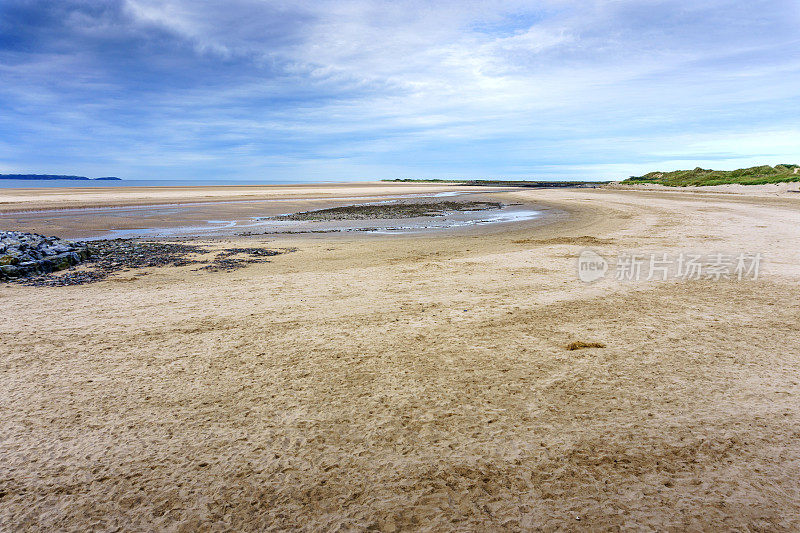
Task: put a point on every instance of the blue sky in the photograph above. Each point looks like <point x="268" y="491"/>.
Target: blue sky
<point x="348" y="90"/>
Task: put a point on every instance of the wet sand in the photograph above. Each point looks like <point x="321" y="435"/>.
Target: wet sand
<point x="418" y="382"/>
<point x="13" y="200"/>
<point x="161" y="212"/>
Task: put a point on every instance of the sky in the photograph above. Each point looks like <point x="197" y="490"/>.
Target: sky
<point x="354" y="90"/>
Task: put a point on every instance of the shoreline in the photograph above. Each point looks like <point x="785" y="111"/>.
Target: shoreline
<point x="13" y="200"/>
<point x="360" y="380"/>
<point x="265" y="213"/>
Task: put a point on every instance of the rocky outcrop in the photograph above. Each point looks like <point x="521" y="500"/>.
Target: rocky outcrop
<point x="28" y="254"/>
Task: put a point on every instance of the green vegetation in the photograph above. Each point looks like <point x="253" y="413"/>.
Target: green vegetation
<point x="700" y="176"/>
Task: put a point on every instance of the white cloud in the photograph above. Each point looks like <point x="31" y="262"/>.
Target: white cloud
<point x="378" y="82"/>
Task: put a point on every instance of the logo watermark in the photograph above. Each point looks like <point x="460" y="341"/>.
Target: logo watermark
<point x="662" y="266"/>
<point x="591" y="266"/>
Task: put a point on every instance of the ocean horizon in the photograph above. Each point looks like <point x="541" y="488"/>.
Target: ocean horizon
<point x="28" y="184"/>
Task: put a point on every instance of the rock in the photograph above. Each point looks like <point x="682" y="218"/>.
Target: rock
<point x="60" y="248"/>
<point x="61" y="261"/>
<point x="27" y="268"/>
<point x="9" y="271"/>
<point x="26" y="254"/>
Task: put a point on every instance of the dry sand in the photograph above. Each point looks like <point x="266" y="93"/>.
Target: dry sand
<point x="770" y="189"/>
<point x="396" y="383"/>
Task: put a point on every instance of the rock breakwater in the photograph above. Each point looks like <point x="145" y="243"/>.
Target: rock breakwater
<point x="26" y="254"/>
<point x="33" y="260"/>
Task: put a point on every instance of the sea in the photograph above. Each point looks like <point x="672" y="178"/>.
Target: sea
<point x="33" y="184"/>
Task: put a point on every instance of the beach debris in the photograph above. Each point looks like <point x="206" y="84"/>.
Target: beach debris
<point x="579" y="345"/>
<point x="225" y="260"/>
<point x="585" y="240"/>
<point x="27" y="254"/>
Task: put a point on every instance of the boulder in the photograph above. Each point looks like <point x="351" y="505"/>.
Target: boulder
<point x="62" y="261"/>
<point x="9" y="271"/>
<point x="28" y="268"/>
<point x="60" y="248"/>
<point x="9" y="259"/>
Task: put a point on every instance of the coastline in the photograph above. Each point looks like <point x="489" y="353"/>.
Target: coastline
<point x="35" y="199"/>
<point x="181" y="212"/>
<point x="393" y="381"/>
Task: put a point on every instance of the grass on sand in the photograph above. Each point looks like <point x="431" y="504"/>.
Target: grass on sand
<point x="700" y="176"/>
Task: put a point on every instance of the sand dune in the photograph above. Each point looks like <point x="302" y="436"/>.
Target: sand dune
<point x="394" y="383"/>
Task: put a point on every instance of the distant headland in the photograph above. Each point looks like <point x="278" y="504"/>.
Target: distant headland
<point x="52" y="177"/>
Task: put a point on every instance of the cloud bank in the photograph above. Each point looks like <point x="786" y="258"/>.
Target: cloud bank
<point x="324" y="90"/>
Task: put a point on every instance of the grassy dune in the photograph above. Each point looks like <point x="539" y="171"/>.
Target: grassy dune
<point x="700" y="176"/>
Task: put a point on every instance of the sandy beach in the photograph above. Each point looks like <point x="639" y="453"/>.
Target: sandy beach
<point x="412" y="382"/>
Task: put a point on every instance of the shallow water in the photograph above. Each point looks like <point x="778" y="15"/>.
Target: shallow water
<point x="266" y="226"/>
<point x="176" y="208"/>
<point x="35" y="184"/>
<point x="256" y="217"/>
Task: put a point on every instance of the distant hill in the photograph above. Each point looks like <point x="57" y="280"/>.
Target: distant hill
<point x="701" y="176"/>
<point x="50" y="177"/>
